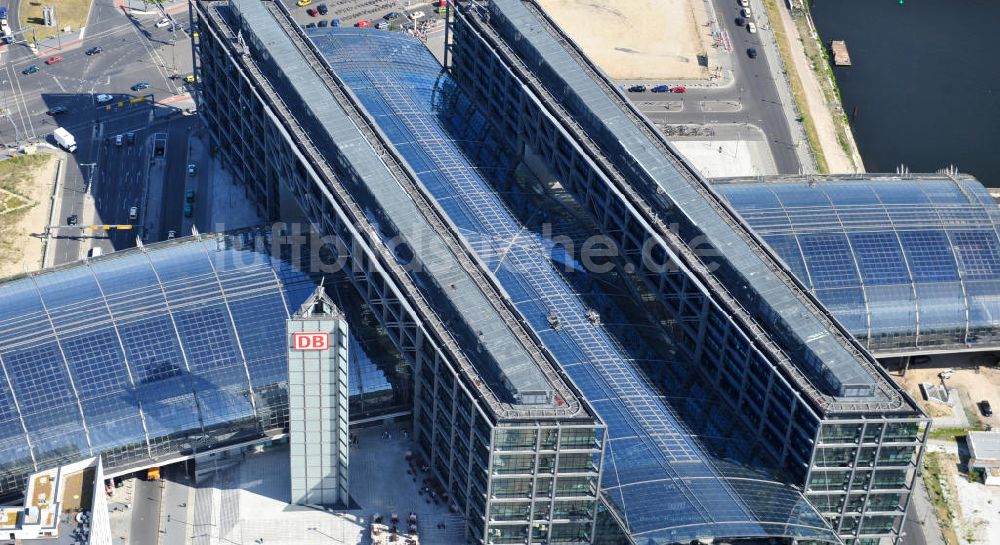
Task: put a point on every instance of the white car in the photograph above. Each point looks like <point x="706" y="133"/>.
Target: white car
<point x="171" y="234"/>
<point x="746" y="13"/>
<point x="745" y="3"/>
<point x="752" y="28"/>
<point x="163" y="23"/>
<point x="118" y="140"/>
<point x="417" y="15"/>
<point x="102" y="98"/>
<point x="133" y="213"/>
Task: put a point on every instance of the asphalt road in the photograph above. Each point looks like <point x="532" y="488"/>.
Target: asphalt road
<point x="134" y="50"/>
<point x="146" y="513"/>
<point x="754" y="88"/>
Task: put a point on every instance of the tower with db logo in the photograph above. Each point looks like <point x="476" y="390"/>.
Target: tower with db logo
<point x="317" y="403"/>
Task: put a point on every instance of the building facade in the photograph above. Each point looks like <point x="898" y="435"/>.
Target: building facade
<point x="488" y="403"/>
<point x="317" y="403"/>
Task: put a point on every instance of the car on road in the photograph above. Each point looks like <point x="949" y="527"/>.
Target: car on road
<point x="30" y="70"/>
<point x="382" y="25"/>
<point x="746" y="13"/>
<point x="188" y="210"/>
<point x="661" y="89"/>
<point x="189" y="196"/>
<point x="752" y="52"/>
<point x="171" y="234"/>
<point x="133" y="213"/>
<point x="119" y="139"/>
<point x="95" y="51"/>
<point x="130" y="137"/>
<point x="417" y="15"/>
<point x="637" y="89"/>
<point x="311" y="25"/>
<point x="364" y="23"/>
<point x="751" y="28"/>
<point x="53" y="59"/>
<point x="985" y="408"/>
<point x="164" y="22"/>
<point x="322" y="9"/>
<point x="322" y="24"/>
<point x="55" y="110"/>
<point x="312" y="12"/>
<point x="192" y="169"/>
<point x="102" y="98"/>
<point x="140" y="86"/>
<point x="190" y="78"/>
<point x="303" y="3"/>
<point x="392" y="15"/>
<point x="745" y="3"/>
<point x="73" y="220"/>
<point x="678" y="89"/>
<point x="95" y="252"/>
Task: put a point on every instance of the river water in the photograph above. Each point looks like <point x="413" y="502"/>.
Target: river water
<point x="924" y="85"/>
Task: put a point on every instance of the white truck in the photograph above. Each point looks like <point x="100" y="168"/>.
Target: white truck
<point x="65" y="139"/>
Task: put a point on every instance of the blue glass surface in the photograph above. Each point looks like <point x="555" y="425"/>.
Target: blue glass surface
<point x="897" y="261"/>
<point x="667" y="482"/>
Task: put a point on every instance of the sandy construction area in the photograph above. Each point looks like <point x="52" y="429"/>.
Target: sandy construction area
<point x="34" y="179"/>
<point x="638" y="39"/>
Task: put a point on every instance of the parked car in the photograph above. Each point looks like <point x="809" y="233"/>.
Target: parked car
<point x="102" y="98"/>
<point x="752" y="52"/>
<point x="95" y="51"/>
<point x="133" y="213"/>
<point x="322" y="24"/>
<point x="745" y="3"/>
<point x="661" y="89"/>
<point x="746" y="13"/>
<point x="382" y="25"/>
<point x="417" y="15"/>
<point x="637" y="89"/>
<point x="140" y="86"/>
<point x="335" y="22"/>
<point x="188" y="210"/>
<point x="171" y="234"/>
<point x="56" y="110"/>
<point x="303" y="3"/>
<point x="311" y="25"/>
<point x="53" y="59"/>
<point x="190" y="78"/>
<point x="740" y="21"/>
<point x="678" y="89"/>
<point x="119" y="139"/>
<point x="751" y="28"/>
<point x="312" y="12"/>
<point x="30" y="70"/>
<point x="985" y="408"/>
<point x="392" y="15"/>
<point x="164" y="22"/>
<point x="130" y="137"/>
<point x="364" y="23"/>
<point x="322" y="9"/>
<point x="189" y="196"/>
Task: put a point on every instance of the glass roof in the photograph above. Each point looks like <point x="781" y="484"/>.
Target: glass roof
<point x="141" y="354"/>
<point x="666" y="480"/>
<point x="907" y="265"/>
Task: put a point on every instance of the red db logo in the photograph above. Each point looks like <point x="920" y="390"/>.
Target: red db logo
<point x="311" y="341"/>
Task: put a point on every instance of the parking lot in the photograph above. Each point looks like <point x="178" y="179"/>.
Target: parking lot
<point x="351" y="12"/>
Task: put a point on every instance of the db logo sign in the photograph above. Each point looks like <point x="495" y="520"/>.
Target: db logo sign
<point x="311" y="341"/>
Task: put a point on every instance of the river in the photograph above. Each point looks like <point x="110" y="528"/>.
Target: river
<point x="924" y="87"/>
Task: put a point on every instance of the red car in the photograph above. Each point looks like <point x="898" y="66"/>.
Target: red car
<point x="312" y="12"/>
<point x="53" y="60"/>
<point x="678" y="89"/>
<point x="364" y="23"/>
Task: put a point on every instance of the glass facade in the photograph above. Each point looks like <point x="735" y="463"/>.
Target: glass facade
<point x="907" y="265"/>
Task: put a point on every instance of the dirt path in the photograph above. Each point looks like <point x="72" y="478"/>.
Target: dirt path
<point x="837" y="160"/>
<point x="18" y="249"/>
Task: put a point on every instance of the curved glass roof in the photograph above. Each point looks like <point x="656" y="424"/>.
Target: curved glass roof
<point x="661" y="472"/>
<point x="141" y="354"/>
<point x="907" y="265"/>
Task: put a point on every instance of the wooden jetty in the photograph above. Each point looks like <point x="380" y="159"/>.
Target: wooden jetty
<point x="840" y="55"/>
